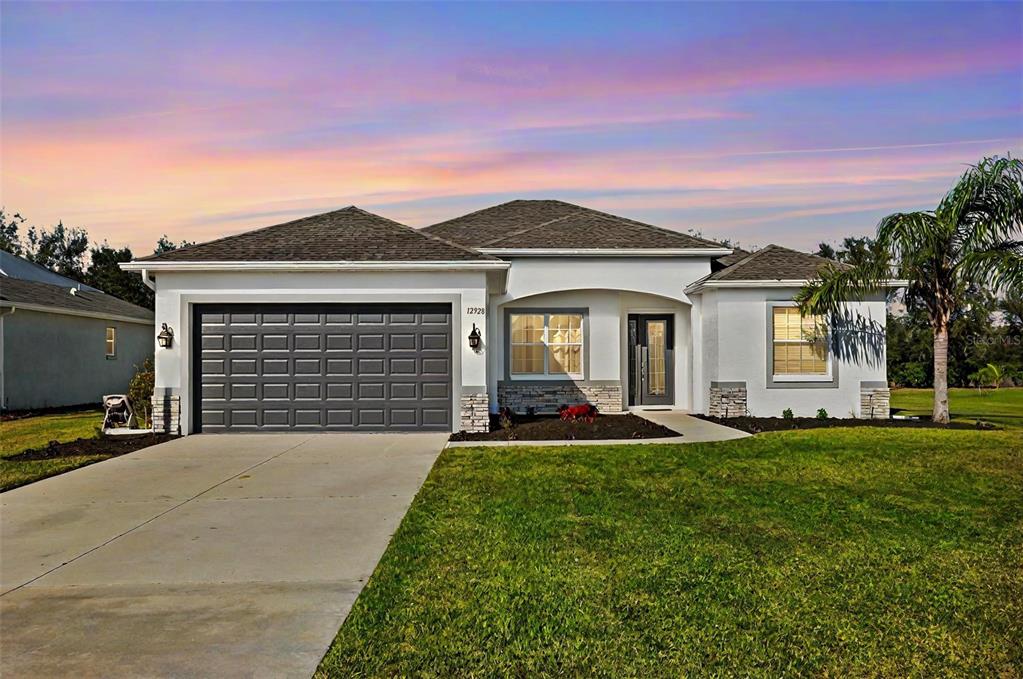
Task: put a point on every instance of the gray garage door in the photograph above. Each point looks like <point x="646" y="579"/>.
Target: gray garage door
<point x="277" y="367"/>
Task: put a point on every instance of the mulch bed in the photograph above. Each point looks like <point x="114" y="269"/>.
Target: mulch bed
<point x="552" y="428"/>
<point x="755" y="425"/>
<point x="103" y="445"/>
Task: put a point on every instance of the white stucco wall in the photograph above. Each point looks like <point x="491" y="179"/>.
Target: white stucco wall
<point x="734" y="345"/>
<point x="176" y="292"/>
<point x="609" y="289"/>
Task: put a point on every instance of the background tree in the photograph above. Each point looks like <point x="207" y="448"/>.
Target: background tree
<point x="61" y="249"/>
<point x="105" y="274"/>
<point x="10" y="239"/>
<point x="973" y="239"/>
<point x="165" y="244"/>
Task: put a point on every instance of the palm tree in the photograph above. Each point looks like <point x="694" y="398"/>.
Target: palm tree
<point x="973" y="238"/>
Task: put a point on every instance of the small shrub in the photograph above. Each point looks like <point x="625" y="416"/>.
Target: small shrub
<point x="822" y="414"/>
<point x="787" y="414"/>
<point x="506" y="418"/>
<point x="140" y="392"/>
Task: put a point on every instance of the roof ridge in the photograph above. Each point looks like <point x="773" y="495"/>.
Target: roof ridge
<point x="474" y="212"/>
<point x="531" y="228"/>
<point x="419" y="232"/>
<point x="652" y="227"/>
<point x="583" y="210"/>
<point x="156" y="255"/>
<point x="745" y="260"/>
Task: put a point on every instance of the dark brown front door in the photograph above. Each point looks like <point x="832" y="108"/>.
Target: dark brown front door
<point x="651" y="359"/>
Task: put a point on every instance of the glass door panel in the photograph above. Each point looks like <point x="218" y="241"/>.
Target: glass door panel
<point x="656" y="362"/>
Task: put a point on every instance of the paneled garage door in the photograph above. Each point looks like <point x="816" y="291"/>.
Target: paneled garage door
<point x="276" y="367"/>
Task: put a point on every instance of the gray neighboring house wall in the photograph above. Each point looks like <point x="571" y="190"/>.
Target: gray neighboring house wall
<point x="53" y="344"/>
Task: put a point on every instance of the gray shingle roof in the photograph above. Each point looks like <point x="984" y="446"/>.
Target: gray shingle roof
<point x="728" y="260"/>
<point x="774" y="263"/>
<point x="556" y="224"/>
<point x="86" y="301"/>
<point x="346" y="235"/>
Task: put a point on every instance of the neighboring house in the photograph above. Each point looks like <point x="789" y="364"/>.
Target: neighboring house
<point x="350" y="321"/>
<point x="64" y="343"/>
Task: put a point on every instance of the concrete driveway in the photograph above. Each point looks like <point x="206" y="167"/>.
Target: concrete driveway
<point x="217" y="555"/>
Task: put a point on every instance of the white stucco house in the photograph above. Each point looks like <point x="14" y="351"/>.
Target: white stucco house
<point x="350" y="321"/>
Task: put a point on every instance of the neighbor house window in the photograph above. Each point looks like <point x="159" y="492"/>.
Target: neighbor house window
<point x="111" y="342"/>
<point x="547" y="345"/>
<point x="798" y="350"/>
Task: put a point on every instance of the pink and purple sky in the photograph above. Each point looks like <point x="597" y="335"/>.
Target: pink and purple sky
<point x="762" y="122"/>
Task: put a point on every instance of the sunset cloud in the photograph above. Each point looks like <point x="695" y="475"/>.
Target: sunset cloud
<point x="769" y="122"/>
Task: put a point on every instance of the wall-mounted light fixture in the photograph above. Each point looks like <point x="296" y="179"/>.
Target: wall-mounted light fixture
<point x="166" y="337"/>
<point x="475" y="338"/>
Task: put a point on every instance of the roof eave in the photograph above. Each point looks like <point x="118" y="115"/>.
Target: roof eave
<point x="155" y="266"/>
<point x="45" y="308"/>
<point x="773" y="283"/>
<point x="605" y="252"/>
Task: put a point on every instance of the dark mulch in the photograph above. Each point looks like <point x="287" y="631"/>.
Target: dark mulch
<point x="103" y="445"/>
<point x="755" y="425"/>
<point x="552" y="428"/>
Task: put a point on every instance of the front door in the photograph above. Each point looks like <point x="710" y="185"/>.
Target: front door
<point x="651" y="359"/>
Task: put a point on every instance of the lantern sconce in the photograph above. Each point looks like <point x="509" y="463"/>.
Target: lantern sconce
<point x="166" y="337"/>
<point x="475" y="338"/>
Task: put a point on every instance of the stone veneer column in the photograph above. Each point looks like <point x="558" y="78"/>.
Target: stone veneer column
<point x="475" y="408"/>
<point x="547" y="396"/>
<point x="727" y="399"/>
<point x="166" y="413"/>
<point x="875" y="398"/>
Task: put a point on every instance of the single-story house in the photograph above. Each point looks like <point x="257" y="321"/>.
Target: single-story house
<point x="350" y="321"/>
<point x="63" y="343"/>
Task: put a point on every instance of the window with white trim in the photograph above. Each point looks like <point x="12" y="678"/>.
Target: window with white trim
<point x="798" y="350"/>
<point x="111" y="342"/>
<point x="545" y="345"/>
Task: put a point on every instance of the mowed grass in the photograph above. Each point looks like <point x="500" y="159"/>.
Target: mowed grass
<point x="34" y="432"/>
<point x="1003" y="406"/>
<point x="833" y="552"/>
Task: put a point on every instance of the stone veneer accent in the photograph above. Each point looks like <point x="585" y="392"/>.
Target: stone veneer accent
<point x="166" y="414"/>
<point x="727" y="399"/>
<point x="874" y="401"/>
<point x="475" y="412"/>
<point x="546" y="397"/>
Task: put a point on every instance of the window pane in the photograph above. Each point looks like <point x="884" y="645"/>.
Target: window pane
<point x="787" y="323"/>
<point x="526" y="328"/>
<point x="566" y="328"/>
<point x="111" y="341"/>
<point x="527" y="359"/>
<point x="655" y="337"/>
<point x="565" y="359"/>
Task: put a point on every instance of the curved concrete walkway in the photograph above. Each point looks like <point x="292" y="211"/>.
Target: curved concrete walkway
<point x="206" y="556"/>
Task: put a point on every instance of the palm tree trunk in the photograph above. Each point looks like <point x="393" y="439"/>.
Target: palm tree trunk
<point x="940" y="413"/>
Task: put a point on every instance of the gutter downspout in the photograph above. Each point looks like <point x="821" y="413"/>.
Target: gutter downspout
<point x="147" y="280"/>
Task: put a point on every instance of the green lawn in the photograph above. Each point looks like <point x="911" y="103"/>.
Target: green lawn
<point x="842" y="552"/>
<point x="33" y="432"/>
<point x="1003" y="406"/>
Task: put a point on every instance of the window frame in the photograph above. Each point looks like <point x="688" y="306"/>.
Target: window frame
<point x="827" y="376"/>
<point x="546" y="375"/>
<point x="110" y="342"/>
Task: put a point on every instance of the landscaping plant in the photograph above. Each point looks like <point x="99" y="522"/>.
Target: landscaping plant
<point x="787" y="414"/>
<point x="140" y="393"/>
